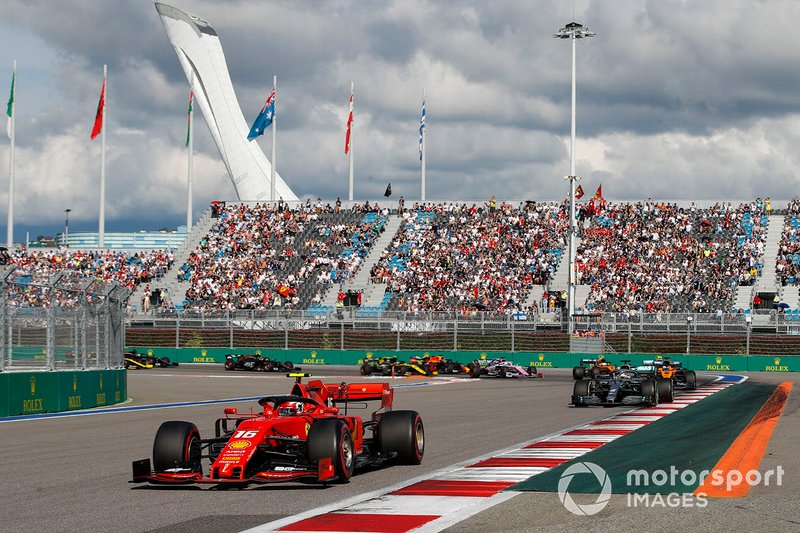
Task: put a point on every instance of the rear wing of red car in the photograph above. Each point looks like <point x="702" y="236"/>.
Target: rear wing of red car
<point x="361" y="392"/>
<point x="343" y="392"/>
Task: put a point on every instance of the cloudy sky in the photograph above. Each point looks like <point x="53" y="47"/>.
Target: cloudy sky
<point x="676" y="100"/>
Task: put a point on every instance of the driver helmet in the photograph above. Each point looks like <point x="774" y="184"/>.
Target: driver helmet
<point x="290" y="409"/>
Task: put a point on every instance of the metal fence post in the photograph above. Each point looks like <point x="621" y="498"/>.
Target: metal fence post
<point x="285" y="333"/>
<point x="630" y="336"/>
<point x="747" y="345"/>
<point x="341" y="335"/>
<point x="688" y="333"/>
<point x="4" y="312"/>
<point x="512" y="337"/>
<point x="230" y="327"/>
<point x="51" y="321"/>
<point x="455" y="335"/>
<point x="177" y="330"/>
<point x="398" y="336"/>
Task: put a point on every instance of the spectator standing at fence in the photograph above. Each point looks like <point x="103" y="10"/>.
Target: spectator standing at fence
<point x="146" y="299"/>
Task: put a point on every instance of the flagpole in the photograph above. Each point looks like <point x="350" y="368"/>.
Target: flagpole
<point x="350" y="148"/>
<point x="12" y="131"/>
<point x="190" y="175"/>
<point x="274" y="143"/>
<point x="102" y="229"/>
<point x="423" y="134"/>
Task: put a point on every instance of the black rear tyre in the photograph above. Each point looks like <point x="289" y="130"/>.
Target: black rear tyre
<point x="474" y="370"/>
<point x="691" y="379"/>
<point x="177" y="445"/>
<point x="229" y="365"/>
<point x="289" y="365"/>
<point x="366" y="369"/>
<point x="578" y="372"/>
<point x="331" y="438"/>
<point x="402" y="433"/>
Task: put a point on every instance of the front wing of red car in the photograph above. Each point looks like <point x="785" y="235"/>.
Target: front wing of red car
<point x="143" y="473"/>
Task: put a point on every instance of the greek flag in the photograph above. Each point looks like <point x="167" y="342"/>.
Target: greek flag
<point x="421" y="128"/>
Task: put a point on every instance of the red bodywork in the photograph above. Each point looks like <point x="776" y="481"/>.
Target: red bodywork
<point x="274" y="430"/>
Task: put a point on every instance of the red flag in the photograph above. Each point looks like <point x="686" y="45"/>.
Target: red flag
<point x="101" y="107"/>
<point x="599" y="194"/>
<point x="579" y="193"/>
<point x="474" y="292"/>
<point x="349" y="125"/>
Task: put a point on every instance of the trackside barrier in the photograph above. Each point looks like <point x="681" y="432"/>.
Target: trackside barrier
<point x="26" y="393"/>
<point x="539" y="359"/>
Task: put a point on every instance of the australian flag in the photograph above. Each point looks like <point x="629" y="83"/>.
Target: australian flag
<point x="264" y="118"/>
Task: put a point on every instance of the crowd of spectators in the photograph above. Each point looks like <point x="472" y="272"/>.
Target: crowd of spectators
<point x="788" y="263"/>
<point x="258" y="256"/>
<point x="35" y="268"/>
<point x="456" y="256"/>
<point x="650" y="257"/>
<point x="634" y="256"/>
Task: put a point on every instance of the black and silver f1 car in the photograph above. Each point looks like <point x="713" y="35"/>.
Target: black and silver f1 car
<point x="622" y="387"/>
<point x="257" y="363"/>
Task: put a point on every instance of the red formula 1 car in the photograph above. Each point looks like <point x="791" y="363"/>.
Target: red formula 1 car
<point x="306" y="435"/>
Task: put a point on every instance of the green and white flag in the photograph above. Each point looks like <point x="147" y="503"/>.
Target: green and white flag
<point x="189" y="122"/>
<point x="10" y="108"/>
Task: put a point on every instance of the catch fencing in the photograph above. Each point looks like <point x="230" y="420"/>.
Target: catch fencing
<point x="712" y="334"/>
<point x="63" y="322"/>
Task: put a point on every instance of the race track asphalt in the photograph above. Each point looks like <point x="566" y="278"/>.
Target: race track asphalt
<point x="766" y="508"/>
<point x="71" y="474"/>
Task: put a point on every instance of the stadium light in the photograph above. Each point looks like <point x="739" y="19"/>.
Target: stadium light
<point x="66" y="226"/>
<point x="573" y="31"/>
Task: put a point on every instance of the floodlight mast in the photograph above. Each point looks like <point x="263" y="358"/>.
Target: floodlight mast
<point x="573" y="31"/>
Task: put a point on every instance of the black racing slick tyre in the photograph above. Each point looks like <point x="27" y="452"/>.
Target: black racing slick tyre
<point x="474" y="370"/>
<point x="666" y="390"/>
<point x="650" y="391"/>
<point x="402" y="433"/>
<point x="691" y="379"/>
<point x="177" y="445"/>
<point x="533" y="371"/>
<point x="289" y="365"/>
<point x="331" y="438"/>
<point x="581" y="388"/>
<point x="578" y="372"/>
<point x="229" y="365"/>
<point x="366" y="369"/>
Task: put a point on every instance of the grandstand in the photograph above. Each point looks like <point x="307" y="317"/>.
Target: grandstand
<point x="466" y="257"/>
<point x="462" y="258"/>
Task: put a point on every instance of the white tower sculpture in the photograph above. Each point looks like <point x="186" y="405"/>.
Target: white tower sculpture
<point x="200" y="53"/>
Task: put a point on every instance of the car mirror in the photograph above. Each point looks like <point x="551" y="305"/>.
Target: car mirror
<point x="231" y="411"/>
